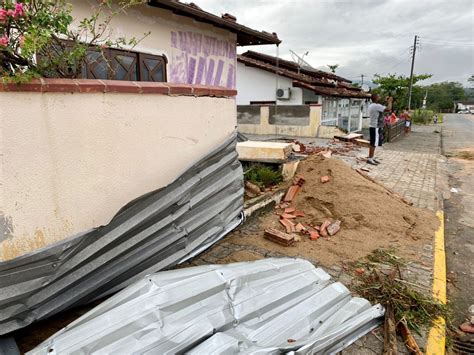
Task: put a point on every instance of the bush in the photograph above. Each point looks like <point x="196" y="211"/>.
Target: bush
<point x="263" y="175"/>
<point x="422" y="116"/>
<point x="37" y="39"/>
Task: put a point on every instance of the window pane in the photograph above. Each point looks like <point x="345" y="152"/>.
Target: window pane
<point x="95" y="67"/>
<point x="124" y="67"/>
<point x="152" y="68"/>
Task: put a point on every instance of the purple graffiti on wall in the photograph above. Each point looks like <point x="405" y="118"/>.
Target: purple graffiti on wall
<point x="200" y="59"/>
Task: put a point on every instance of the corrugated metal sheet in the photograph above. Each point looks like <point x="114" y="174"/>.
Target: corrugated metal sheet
<point x="266" y="306"/>
<point x="151" y="233"/>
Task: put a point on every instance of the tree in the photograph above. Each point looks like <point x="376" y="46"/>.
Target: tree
<point x="398" y="87"/>
<point x="442" y="96"/>
<point x="471" y="80"/>
<point x="333" y="67"/>
<point x="36" y="38"/>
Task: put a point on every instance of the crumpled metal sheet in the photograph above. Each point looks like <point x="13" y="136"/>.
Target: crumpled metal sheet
<point x="261" y="307"/>
<point x="153" y="232"/>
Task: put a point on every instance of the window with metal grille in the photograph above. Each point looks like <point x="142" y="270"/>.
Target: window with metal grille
<point x="117" y="64"/>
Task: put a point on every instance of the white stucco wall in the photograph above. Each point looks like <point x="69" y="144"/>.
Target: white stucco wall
<point x="259" y="85"/>
<point x="71" y="161"/>
<point x="197" y="53"/>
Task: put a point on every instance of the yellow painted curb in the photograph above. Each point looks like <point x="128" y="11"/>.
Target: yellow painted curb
<point x="436" y="344"/>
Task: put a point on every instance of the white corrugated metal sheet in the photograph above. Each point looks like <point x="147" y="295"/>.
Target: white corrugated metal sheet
<point x="266" y="306"/>
<point x="153" y="232"/>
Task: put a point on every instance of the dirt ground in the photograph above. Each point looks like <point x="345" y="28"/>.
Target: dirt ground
<point x="371" y="218"/>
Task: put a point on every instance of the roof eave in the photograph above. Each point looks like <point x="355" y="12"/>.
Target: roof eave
<point x="245" y="35"/>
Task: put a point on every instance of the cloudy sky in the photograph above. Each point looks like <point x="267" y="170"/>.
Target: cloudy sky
<point x="365" y="36"/>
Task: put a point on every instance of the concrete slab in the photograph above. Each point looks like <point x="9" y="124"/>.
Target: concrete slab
<point x="265" y="152"/>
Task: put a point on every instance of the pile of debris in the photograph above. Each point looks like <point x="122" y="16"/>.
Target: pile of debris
<point x="288" y="217"/>
<point x="334" y="147"/>
<point x="326" y="191"/>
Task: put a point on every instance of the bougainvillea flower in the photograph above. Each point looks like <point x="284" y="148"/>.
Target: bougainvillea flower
<point x="3" y="15"/>
<point x="19" y="9"/>
<point x="4" y="41"/>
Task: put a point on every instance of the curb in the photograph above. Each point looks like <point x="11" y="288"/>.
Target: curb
<point x="436" y="344"/>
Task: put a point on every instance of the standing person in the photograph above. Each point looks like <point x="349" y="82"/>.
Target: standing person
<point x="376" y="116"/>
<point x="406" y="116"/>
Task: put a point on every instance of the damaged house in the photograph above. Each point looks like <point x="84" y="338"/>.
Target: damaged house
<point x="114" y="176"/>
<point x="278" y="97"/>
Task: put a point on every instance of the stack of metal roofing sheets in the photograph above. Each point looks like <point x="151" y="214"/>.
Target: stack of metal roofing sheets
<point x="266" y="306"/>
<point x="151" y="233"/>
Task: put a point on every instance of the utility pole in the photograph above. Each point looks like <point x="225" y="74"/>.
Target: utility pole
<point x="362" y="77"/>
<point x="415" y="43"/>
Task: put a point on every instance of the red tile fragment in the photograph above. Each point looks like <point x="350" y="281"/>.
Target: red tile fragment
<point x="299" y="213"/>
<point x="292" y="191"/>
<point x="323" y="228"/>
<point x="313" y="235"/>
<point x="288" y="216"/>
<point x="324" y="179"/>
<point x="289" y="210"/>
<point x="290" y="226"/>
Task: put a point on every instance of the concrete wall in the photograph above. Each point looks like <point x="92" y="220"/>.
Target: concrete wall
<point x="70" y="161"/>
<point x="197" y="53"/>
<point x="283" y="125"/>
<point x="296" y="115"/>
<point x="259" y="85"/>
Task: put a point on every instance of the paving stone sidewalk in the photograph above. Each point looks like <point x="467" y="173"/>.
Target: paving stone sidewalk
<point x="409" y="166"/>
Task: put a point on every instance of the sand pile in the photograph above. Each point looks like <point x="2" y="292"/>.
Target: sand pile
<point x="371" y="218"/>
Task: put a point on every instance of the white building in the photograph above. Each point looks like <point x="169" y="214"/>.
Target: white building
<point x="267" y="80"/>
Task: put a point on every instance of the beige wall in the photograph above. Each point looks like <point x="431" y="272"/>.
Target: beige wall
<point x="71" y="161"/>
<point x="196" y="52"/>
<point x="265" y="128"/>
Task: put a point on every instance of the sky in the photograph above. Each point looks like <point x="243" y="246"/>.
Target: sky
<point x="365" y="36"/>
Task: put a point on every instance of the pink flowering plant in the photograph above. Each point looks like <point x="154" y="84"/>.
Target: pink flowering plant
<point x="40" y="38"/>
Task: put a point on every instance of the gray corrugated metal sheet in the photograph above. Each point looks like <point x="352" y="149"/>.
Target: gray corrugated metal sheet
<point x="266" y="306"/>
<point x="153" y="232"/>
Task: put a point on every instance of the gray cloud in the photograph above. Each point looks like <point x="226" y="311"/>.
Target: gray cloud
<point x="365" y="36"/>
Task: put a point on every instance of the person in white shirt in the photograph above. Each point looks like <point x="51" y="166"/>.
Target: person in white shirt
<point x="376" y="124"/>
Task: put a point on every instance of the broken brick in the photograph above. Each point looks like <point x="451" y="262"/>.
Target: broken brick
<point x="288" y="216"/>
<point x="324" y="179"/>
<point x="289" y="210"/>
<point x="313" y="235"/>
<point x="291" y="193"/>
<point x="300" y="228"/>
<point x="279" y="237"/>
<point x="334" y="228"/>
<point x="290" y="226"/>
<point x="360" y="270"/>
<point x="323" y="227"/>
<point x="299" y="214"/>
<point x="298" y="180"/>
